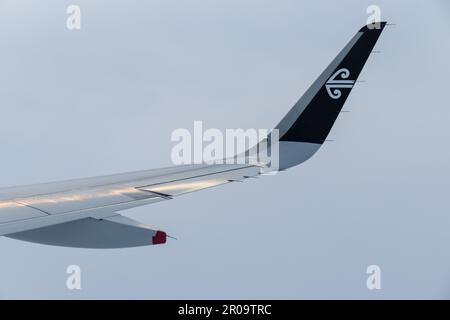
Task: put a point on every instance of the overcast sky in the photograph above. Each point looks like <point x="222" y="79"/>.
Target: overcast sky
<point x="106" y="98"/>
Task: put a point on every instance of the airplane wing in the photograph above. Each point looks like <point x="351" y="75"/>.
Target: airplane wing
<point x="85" y="213"/>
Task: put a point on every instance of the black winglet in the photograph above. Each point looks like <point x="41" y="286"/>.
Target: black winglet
<point x="312" y="117"/>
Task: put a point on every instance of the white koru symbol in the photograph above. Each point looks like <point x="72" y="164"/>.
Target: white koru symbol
<point x="334" y="84"/>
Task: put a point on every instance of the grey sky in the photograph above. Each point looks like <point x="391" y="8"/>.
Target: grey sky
<point x="105" y="99"/>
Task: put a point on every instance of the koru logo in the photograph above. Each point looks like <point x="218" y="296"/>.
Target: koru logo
<point x="333" y="85"/>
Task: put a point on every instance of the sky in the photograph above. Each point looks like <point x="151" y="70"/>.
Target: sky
<point x="105" y="99"/>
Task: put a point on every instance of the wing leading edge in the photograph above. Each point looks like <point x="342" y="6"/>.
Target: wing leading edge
<point x="84" y="212"/>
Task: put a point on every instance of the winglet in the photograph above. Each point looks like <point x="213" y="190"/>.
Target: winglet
<point x="306" y="126"/>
